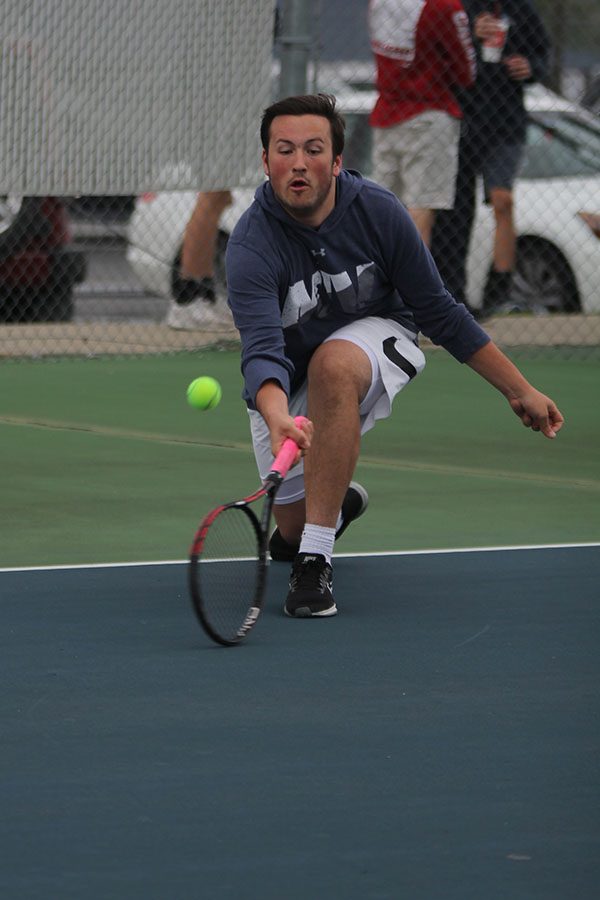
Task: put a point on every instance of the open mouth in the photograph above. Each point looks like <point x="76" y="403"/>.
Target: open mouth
<point x="298" y="184"/>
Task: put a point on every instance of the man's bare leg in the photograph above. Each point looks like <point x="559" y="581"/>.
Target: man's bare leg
<point x="200" y="237"/>
<point x="423" y="219"/>
<point x="505" y="237"/>
<point x="339" y="378"/>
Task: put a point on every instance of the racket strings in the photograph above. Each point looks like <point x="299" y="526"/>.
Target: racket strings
<point x="230" y="570"/>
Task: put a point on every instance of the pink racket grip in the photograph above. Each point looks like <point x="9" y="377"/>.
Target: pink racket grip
<point x="288" y="452"/>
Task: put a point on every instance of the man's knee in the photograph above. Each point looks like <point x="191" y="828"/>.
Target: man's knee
<point x="340" y="367"/>
<point x="502" y="202"/>
<point x="338" y="359"/>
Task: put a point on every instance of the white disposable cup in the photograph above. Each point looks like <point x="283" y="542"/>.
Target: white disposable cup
<point x="493" y="48"/>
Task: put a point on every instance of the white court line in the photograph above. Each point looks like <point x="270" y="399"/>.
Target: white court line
<point x="179" y="562"/>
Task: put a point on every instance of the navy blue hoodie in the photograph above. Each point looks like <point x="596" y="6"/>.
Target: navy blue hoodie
<point x="291" y="285"/>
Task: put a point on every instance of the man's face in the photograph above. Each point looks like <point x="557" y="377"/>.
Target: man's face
<point x="301" y="166"/>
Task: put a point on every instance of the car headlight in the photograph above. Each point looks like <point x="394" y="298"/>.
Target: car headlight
<point x="592" y="220"/>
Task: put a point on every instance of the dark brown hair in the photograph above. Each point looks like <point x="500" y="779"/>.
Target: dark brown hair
<point x="306" y="105"/>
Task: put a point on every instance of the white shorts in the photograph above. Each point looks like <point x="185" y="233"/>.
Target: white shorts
<point x="418" y="159"/>
<point x="395" y="360"/>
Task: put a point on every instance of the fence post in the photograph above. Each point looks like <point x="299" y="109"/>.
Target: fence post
<point x="295" y="40"/>
<point x="557" y="28"/>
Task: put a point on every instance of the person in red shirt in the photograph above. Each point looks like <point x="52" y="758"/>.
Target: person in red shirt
<point x="422" y="50"/>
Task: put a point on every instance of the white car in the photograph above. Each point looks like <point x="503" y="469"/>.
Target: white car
<point x="557" y="210"/>
<point x="557" y="213"/>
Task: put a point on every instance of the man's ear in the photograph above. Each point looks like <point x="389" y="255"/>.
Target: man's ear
<point x="265" y="162"/>
<point x="337" y="165"/>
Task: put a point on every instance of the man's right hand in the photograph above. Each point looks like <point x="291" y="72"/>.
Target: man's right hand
<point x="272" y="404"/>
<point x="287" y="428"/>
<point x="485" y="26"/>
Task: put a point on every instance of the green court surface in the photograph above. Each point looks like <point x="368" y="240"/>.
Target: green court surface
<point x="103" y="461"/>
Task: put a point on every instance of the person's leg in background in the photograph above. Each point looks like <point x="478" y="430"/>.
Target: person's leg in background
<point x="200" y="237"/>
<point x="499" y="281"/>
<point x="431" y="168"/>
<point x="392" y="153"/>
<point x="194" y="293"/>
<point x="417" y="159"/>
<point x="424" y="220"/>
<point x="499" y="170"/>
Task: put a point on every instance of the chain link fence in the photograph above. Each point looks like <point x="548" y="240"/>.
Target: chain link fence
<point x="115" y="116"/>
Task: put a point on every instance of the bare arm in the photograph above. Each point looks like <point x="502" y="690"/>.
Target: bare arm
<point x="535" y="410"/>
<point x="272" y="404"/>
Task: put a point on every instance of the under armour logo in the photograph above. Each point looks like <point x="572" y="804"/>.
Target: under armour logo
<point x="320" y="252"/>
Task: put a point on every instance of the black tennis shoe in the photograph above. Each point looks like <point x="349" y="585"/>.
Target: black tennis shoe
<point x="310" y="587"/>
<point x="354" y="505"/>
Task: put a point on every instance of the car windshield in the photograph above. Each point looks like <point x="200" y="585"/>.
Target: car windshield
<point x="560" y="145"/>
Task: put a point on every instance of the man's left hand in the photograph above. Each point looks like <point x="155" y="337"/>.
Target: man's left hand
<point x="518" y="67"/>
<point x="538" y="412"/>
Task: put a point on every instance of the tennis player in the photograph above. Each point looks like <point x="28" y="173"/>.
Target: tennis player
<point x="329" y="285"/>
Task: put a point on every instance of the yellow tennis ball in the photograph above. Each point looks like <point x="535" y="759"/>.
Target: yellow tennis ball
<point x="204" y="393"/>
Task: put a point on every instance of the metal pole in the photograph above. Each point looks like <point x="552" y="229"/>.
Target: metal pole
<point x="557" y="29"/>
<point x="295" y="41"/>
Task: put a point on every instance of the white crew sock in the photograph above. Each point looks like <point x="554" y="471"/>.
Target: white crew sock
<point x="318" y="539"/>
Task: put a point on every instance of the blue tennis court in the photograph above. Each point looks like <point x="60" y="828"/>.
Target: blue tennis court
<point x="437" y="739"/>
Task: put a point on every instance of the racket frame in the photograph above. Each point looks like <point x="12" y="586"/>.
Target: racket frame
<point x="282" y="463"/>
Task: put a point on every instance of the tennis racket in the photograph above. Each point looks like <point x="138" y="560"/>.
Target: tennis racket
<point x="228" y="557"/>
